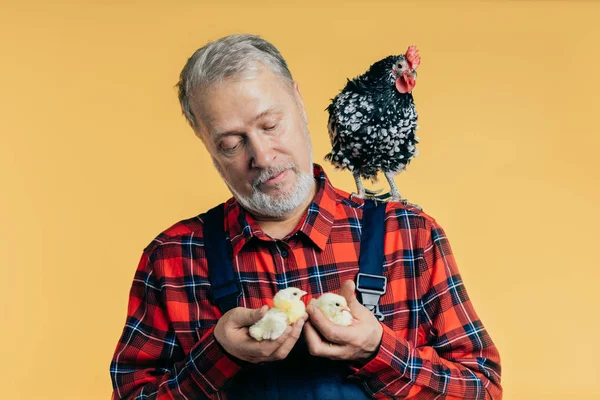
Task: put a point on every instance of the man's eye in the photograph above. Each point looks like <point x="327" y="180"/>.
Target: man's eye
<point x="230" y="145"/>
<point x="270" y="127"/>
<point x="230" y="148"/>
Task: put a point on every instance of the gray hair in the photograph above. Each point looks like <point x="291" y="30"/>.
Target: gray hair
<point x="231" y="55"/>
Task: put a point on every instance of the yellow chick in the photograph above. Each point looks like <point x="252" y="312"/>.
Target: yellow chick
<point x="335" y="308"/>
<point x="288" y="307"/>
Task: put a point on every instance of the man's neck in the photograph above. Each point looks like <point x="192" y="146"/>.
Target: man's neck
<point x="278" y="228"/>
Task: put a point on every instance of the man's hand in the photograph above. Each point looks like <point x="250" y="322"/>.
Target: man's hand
<point x="358" y="341"/>
<point x="231" y="332"/>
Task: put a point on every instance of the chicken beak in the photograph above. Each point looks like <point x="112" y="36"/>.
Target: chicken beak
<point x="302" y="293"/>
<point x="406" y="82"/>
<point x="347" y="308"/>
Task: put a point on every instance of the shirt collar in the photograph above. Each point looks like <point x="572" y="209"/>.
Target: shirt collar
<point x="315" y="224"/>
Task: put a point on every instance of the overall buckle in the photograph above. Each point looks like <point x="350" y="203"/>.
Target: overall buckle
<point x="369" y="296"/>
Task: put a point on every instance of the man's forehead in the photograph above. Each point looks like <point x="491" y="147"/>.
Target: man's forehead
<point x="253" y="115"/>
<point x="218" y="110"/>
<point x="218" y="128"/>
<point x="212" y="104"/>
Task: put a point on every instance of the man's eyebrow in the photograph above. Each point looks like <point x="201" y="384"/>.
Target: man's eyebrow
<point x="274" y="110"/>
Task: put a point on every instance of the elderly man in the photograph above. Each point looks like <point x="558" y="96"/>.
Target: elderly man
<point x="286" y="225"/>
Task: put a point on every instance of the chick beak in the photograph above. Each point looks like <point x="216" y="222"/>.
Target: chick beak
<point x="346" y="308"/>
<point x="302" y="293"/>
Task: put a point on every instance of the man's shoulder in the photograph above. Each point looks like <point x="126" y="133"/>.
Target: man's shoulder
<point x="407" y="217"/>
<point x="187" y="230"/>
<point x="406" y="209"/>
<point x="394" y="209"/>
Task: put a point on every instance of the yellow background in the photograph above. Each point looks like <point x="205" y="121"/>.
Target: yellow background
<point x="95" y="160"/>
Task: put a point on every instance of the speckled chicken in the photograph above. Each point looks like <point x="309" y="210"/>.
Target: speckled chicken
<point x="372" y="122"/>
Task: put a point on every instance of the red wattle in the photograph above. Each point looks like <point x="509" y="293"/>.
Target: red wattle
<point x="402" y="85"/>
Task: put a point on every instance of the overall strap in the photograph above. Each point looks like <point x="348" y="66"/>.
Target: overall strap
<point x="225" y="288"/>
<point x="370" y="282"/>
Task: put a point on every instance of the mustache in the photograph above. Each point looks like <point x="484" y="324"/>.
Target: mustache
<point x="270" y="172"/>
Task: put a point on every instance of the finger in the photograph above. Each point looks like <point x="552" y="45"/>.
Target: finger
<point x="330" y="331"/>
<point x="347" y="291"/>
<point x="284" y="336"/>
<point x="248" y="316"/>
<point x="356" y="308"/>
<point x="312" y="337"/>
<point x="264" y="349"/>
<point x="320" y="348"/>
<point x="290" y="342"/>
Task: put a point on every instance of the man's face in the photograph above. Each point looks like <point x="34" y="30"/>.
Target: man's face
<point x="254" y="128"/>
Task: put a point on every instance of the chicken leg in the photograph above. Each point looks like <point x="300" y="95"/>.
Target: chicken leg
<point x="362" y="192"/>
<point x="393" y="188"/>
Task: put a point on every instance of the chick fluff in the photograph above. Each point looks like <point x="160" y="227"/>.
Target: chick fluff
<point x="288" y="307"/>
<point x="335" y="308"/>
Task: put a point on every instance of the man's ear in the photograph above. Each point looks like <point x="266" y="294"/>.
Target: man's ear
<point x="299" y="100"/>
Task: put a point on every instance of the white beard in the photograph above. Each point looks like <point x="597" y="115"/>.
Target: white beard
<point x="280" y="205"/>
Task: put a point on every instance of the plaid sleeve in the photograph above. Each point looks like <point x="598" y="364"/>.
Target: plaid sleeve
<point x="149" y="363"/>
<point x="459" y="360"/>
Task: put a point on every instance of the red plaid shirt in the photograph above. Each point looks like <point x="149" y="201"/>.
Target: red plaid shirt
<point x="433" y="345"/>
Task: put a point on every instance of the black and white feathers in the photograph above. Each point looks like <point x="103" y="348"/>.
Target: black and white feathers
<point x="372" y="121"/>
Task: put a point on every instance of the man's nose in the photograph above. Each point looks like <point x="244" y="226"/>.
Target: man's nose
<point x="263" y="153"/>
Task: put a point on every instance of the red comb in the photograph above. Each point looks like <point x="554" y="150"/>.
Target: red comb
<point x="413" y="58"/>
